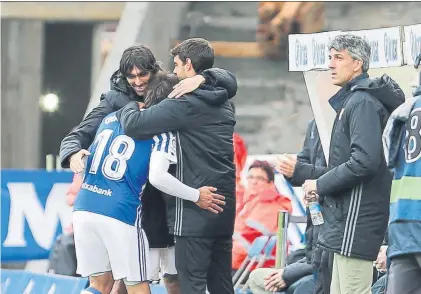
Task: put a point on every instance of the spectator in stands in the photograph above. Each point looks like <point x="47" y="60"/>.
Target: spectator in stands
<point x="402" y="145"/>
<point x="379" y="286"/>
<point x="356" y="188"/>
<point x="257" y="212"/>
<point x="310" y="164"/>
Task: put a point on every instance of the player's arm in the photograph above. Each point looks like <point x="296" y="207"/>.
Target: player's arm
<point x="169" y="115"/>
<point x="162" y="156"/>
<point x="212" y="77"/>
<point x="161" y="179"/>
<point x="82" y="136"/>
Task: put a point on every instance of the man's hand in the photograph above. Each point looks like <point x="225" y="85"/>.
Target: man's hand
<point x="274" y="281"/>
<point x="380" y="262"/>
<point x="187" y="85"/>
<point x="141" y="105"/>
<point x="286" y="165"/>
<point x="209" y="200"/>
<point x="310" y="186"/>
<point x="76" y="161"/>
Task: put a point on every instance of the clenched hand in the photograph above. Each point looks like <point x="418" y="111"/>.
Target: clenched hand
<point x="310" y="186"/>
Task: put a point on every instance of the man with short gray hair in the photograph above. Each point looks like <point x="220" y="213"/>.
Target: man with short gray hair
<point x="357" y="184"/>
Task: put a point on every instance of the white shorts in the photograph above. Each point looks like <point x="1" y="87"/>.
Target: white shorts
<point x="162" y="259"/>
<point x="105" y="244"/>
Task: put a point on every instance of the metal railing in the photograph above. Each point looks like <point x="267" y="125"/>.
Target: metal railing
<point x="284" y="219"/>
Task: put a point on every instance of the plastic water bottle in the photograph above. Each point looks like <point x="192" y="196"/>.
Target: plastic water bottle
<point x="315" y="210"/>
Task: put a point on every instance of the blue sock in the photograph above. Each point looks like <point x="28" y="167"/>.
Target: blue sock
<point x="91" y="290"/>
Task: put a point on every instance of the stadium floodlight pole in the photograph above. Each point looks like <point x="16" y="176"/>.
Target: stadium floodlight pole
<point x="282" y="239"/>
<point x="129" y="26"/>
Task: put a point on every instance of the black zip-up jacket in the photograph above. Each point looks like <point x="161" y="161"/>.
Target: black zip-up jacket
<point x="203" y="122"/>
<point x="154" y="220"/>
<point x="308" y="159"/>
<point x="119" y="95"/>
<point x="356" y="188"/>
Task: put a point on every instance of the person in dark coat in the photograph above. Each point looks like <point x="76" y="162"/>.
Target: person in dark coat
<point x="356" y="185"/>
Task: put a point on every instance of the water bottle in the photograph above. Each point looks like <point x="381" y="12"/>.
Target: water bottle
<point x="315" y="210"/>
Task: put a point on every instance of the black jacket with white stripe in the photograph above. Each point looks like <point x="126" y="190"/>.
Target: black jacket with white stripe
<point x="204" y="125"/>
<point x="357" y="184"/>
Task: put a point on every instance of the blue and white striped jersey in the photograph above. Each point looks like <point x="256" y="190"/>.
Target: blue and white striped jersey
<point x="117" y="170"/>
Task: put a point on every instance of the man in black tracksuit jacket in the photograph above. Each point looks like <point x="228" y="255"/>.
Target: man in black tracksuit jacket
<point x="356" y="187"/>
<point x="311" y="164"/>
<point x="203" y="122"/>
<point x="154" y="219"/>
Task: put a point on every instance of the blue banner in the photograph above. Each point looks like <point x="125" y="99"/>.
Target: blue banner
<point x="33" y="212"/>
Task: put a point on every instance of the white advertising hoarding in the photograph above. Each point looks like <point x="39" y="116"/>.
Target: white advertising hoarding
<point x="385" y="44"/>
<point x="412" y="43"/>
<point x="309" y="51"/>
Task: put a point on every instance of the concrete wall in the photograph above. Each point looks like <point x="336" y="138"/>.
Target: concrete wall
<point x="21" y="74"/>
<point x="161" y="28"/>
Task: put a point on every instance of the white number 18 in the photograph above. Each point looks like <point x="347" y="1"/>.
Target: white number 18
<point x="115" y="155"/>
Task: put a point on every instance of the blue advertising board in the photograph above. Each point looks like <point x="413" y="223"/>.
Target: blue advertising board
<point x="33" y="212"/>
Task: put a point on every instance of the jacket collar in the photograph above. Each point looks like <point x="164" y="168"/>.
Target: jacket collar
<point x="337" y="99"/>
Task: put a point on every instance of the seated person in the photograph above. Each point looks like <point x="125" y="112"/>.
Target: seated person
<point x="379" y="287"/>
<point x="298" y="276"/>
<point x="257" y="210"/>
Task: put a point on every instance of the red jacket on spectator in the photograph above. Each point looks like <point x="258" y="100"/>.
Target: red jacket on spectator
<point x="256" y="214"/>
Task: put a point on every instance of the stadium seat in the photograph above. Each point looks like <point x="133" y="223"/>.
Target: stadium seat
<point x="269" y="247"/>
<point x="243" y="291"/>
<point x="16" y="282"/>
<point x="253" y="256"/>
<point x="158" y="289"/>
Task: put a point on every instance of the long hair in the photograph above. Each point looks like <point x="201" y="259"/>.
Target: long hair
<point x="159" y="87"/>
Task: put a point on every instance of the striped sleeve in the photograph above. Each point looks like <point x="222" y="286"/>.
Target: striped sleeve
<point x="166" y="143"/>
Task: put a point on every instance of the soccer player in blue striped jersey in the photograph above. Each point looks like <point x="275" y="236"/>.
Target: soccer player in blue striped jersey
<point x="110" y="242"/>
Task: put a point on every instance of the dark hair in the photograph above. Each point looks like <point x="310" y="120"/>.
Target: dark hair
<point x="159" y="87"/>
<point x="264" y="165"/>
<point x="198" y="50"/>
<point x="139" y="56"/>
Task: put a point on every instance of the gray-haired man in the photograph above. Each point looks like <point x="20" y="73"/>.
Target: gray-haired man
<point x="356" y="188"/>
